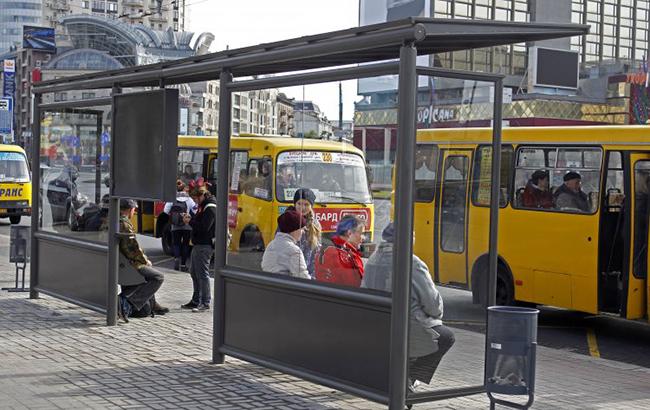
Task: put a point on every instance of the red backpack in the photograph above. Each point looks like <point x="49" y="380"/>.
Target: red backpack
<point x="336" y="264"/>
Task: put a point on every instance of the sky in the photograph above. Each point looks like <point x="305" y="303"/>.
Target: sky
<point x="240" y="23"/>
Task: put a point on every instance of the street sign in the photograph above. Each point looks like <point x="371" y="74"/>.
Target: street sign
<point x="6" y="118"/>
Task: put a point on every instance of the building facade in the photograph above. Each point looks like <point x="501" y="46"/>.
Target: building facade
<point x="13" y="16"/>
<point x="310" y="122"/>
<point x="92" y="43"/>
<point x="285" y="114"/>
<point x="253" y="112"/>
<point x="155" y="14"/>
<point x="610" y="71"/>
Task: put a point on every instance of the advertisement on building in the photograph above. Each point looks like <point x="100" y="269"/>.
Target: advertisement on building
<point x="381" y="11"/>
<point x="39" y="38"/>
<point x="9" y="78"/>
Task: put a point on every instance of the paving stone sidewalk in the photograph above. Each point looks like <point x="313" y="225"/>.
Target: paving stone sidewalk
<point x="56" y="355"/>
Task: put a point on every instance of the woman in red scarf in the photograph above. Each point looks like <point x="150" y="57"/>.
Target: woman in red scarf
<point x="341" y="263"/>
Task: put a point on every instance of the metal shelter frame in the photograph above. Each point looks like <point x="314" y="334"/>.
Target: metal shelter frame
<point x="401" y="40"/>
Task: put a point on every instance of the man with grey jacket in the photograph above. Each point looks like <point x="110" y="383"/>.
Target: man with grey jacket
<point x="283" y="255"/>
<point x="429" y="339"/>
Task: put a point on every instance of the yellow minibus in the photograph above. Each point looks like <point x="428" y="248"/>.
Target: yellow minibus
<point x="265" y="171"/>
<point x="15" y="183"/>
<point x="573" y="222"/>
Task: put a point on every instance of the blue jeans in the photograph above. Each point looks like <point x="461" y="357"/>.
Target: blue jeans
<point x="181" y="244"/>
<point x="200" y="273"/>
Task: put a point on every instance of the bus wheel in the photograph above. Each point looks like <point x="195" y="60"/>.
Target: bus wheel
<point x="15" y="220"/>
<point x="505" y="290"/>
<point x="166" y="240"/>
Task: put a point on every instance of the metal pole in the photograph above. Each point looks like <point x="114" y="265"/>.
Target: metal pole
<point x="495" y="191"/>
<point x="98" y="161"/>
<point x="402" y="259"/>
<point x="36" y="195"/>
<point x="113" y="229"/>
<point x="221" y="227"/>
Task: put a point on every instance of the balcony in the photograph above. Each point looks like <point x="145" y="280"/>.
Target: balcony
<point x="158" y="18"/>
<point x="134" y="3"/>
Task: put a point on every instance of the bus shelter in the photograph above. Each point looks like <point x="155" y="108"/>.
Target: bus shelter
<point x="268" y="319"/>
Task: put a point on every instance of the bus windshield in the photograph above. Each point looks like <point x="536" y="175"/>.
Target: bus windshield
<point x="13" y="167"/>
<point x="335" y="177"/>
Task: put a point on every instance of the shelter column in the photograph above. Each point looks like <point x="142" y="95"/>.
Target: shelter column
<point x="403" y="216"/>
<point x="221" y="227"/>
<point x="113" y="230"/>
<point x="36" y="195"/>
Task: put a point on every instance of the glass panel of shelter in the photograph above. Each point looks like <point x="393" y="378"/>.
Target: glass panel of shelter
<point x="291" y="157"/>
<point x="74" y="172"/>
<point x="451" y="230"/>
<point x="342" y="181"/>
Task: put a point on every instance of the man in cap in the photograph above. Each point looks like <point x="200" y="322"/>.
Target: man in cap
<point x="569" y="196"/>
<point x="134" y="298"/>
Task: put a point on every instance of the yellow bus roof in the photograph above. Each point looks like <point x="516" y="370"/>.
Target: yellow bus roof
<point x="595" y="134"/>
<point x="11" y="148"/>
<point x="278" y="143"/>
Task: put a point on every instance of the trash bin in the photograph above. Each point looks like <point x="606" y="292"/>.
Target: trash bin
<point x="511" y="354"/>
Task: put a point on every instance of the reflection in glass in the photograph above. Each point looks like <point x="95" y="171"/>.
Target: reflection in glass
<point x="74" y="173"/>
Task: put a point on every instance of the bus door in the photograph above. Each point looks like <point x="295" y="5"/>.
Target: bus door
<point x="452" y="218"/>
<point x="636" y="283"/>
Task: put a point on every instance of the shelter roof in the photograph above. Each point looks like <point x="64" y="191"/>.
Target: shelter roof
<point x="375" y="42"/>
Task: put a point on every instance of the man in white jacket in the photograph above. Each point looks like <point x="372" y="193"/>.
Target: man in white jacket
<point x="282" y="255"/>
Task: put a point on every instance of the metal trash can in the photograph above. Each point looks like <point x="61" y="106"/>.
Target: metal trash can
<point x="511" y="354"/>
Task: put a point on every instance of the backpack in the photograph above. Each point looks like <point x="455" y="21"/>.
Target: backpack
<point x="175" y="213"/>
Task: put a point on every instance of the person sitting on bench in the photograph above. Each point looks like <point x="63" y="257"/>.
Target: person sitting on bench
<point x="137" y="298"/>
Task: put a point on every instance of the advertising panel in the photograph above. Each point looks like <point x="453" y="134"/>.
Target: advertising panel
<point x="8" y="78"/>
<point x="39" y="38"/>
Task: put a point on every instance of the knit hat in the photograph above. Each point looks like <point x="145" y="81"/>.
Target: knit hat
<point x="388" y="233"/>
<point x="291" y="221"/>
<point x="128" y="204"/>
<point x="306" y="194"/>
<point x="571" y="175"/>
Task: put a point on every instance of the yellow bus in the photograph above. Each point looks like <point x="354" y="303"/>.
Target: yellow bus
<point x="576" y="245"/>
<point x="15" y="184"/>
<point x="265" y="171"/>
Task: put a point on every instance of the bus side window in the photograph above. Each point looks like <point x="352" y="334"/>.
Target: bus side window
<point x="482" y="178"/>
<point x="258" y="183"/>
<point x="426" y="165"/>
<point x="615" y="186"/>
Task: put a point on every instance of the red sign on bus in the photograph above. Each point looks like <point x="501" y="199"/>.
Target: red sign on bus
<point x="330" y="217"/>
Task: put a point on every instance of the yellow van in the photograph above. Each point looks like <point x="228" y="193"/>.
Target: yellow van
<point x="15" y="183"/>
<point x="588" y="254"/>
<point x="265" y="172"/>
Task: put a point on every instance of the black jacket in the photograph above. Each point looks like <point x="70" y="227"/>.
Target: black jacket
<point x="203" y="222"/>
